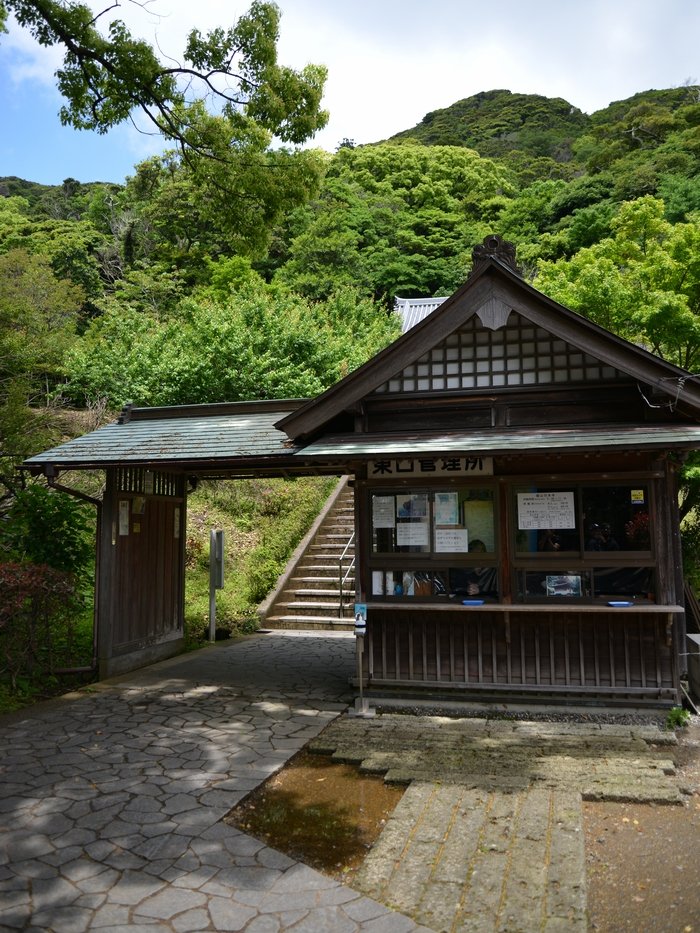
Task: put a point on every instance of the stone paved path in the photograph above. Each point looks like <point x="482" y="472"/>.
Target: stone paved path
<point x="111" y="804"/>
<point x="489" y="834"/>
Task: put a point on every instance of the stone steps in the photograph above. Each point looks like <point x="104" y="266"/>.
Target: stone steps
<point x="310" y="597"/>
<point x="310" y="623"/>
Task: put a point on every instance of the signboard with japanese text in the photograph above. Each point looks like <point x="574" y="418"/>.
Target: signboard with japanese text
<point x="451" y="540"/>
<point x="412" y="534"/>
<point x="546" y="510"/>
<point x="426" y="467"/>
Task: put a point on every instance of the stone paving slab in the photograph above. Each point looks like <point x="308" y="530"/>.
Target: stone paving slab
<point x="111" y="801"/>
<point x="462" y="859"/>
<point x="599" y="761"/>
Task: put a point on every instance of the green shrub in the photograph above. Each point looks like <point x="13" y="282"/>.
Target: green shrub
<point x="46" y="527"/>
<point x="677" y="718"/>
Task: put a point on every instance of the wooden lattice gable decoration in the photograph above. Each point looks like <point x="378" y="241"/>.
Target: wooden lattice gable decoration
<point x="481" y="356"/>
<point x="497" y="333"/>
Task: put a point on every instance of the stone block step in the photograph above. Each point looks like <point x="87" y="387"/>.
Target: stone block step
<point x="315" y="580"/>
<point x="332" y="539"/>
<point x="309" y="623"/>
<point x="321" y="593"/>
<point x="324" y="559"/>
<point x="324" y="580"/>
<point x="310" y="596"/>
<point x="307" y="607"/>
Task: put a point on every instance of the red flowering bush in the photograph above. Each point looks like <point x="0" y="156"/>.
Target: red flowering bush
<point x="38" y="609"/>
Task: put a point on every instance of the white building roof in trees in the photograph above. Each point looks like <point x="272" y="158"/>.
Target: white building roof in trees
<point x="413" y="310"/>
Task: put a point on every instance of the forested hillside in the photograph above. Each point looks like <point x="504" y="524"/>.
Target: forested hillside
<point x="181" y="286"/>
<point x="275" y="275"/>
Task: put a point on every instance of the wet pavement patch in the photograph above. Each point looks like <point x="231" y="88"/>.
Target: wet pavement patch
<point x="320" y="812"/>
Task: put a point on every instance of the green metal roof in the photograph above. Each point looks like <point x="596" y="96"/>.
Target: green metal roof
<point x="229" y="437"/>
<point x="181" y="437"/>
<point x="623" y="437"/>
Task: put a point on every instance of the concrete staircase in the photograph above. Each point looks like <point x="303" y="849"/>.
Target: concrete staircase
<point x="307" y="595"/>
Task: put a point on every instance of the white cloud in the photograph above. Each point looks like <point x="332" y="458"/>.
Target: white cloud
<point x="23" y="59"/>
<point x="392" y="61"/>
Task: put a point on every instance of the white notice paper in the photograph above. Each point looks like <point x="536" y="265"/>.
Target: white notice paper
<point x="412" y="534"/>
<point x="546" y="510"/>
<point x="452" y="539"/>
<point x="383" y="509"/>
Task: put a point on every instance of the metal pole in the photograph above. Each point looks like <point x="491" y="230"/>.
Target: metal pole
<point x="360" y="652"/>
<point x="216" y="576"/>
<point x="361" y="705"/>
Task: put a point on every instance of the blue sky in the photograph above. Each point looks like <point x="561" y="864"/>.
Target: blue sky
<point x="389" y="61"/>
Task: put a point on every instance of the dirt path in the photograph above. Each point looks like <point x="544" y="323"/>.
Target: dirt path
<point x="643" y="861"/>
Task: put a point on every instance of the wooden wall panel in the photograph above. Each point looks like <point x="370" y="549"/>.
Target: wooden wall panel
<point x="598" y="654"/>
<point x="141" y="582"/>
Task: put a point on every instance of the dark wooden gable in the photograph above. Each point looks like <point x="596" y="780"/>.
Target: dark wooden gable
<point x="499" y="353"/>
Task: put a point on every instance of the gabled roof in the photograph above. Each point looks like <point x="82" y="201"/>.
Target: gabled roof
<point x="276" y="437"/>
<point x="492" y="292"/>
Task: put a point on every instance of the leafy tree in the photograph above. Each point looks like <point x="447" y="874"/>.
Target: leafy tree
<point x="107" y="75"/>
<point x="49" y="528"/>
<point x="73" y="248"/>
<point x="643" y="283"/>
<point x="46" y="574"/>
<point x="681" y="196"/>
<point x="38" y="316"/>
<point x="643" y="138"/>
<point x="221" y="107"/>
<point x="182" y="214"/>
<point x="394" y="219"/>
<point x="497" y="122"/>
<point x="256" y="343"/>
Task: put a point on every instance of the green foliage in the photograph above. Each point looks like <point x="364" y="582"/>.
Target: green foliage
<point x="45" y="527"/>
<point x="677" y="718"/>
<point x="393" y="220"/>
<point x="681" y="196"/>
<point x="642" y="139"/>
<point x="689" y="510"/>
<point x="46" y="576"/>
<point x="71" y="247"/>
<point x="287" y="513"/>
<point x="107" y="75"/>
<point x="180" y="214"/>
<point x="257" y="344"/>
<point x="39" y="623"/>
<point x="496" y="122"/>
<point x="643" y="283"/>
<point x="38" y="317"/>
<point x="224" y="187"/>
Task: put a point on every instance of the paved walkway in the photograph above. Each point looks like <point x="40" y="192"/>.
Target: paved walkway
<point x="111" y="807"/>
<point x="489" y="834"/>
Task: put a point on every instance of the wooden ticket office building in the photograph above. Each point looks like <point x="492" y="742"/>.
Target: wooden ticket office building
<point x="516" y="492"/>
<point x="515" y="470"/>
